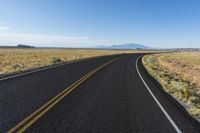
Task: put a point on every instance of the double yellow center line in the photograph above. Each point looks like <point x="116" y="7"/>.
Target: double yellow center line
<point x="32" y="118"/>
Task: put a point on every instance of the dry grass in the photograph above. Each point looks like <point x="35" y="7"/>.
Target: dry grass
<point x="14" y="60"/>
<point x="186" y="64"/>
<point x="179" y="73"/>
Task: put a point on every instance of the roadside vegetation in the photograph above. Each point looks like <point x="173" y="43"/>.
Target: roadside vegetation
<point x="20" y="59"/>
<point x="179" y="74"/>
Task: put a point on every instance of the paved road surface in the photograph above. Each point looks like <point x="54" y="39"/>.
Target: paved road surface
<point x="111" y="99"/>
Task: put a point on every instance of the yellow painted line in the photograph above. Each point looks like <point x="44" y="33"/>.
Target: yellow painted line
<point x="42" y="107"/>
<point x="28" y="121"/>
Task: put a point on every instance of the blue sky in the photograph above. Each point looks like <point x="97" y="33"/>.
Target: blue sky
<point x="83" y="23"/>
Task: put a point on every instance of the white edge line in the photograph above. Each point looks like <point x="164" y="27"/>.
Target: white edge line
<point x="49" y="67"/>
<point x="158" y="103"/>
<point x="41" y="69"/>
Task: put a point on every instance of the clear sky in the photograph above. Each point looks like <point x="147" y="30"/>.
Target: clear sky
<point x="79" y="23"/>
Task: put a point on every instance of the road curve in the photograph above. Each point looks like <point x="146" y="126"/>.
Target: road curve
<point x="114" y="94"/>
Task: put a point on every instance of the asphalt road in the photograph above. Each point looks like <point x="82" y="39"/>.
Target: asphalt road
<point x="117" y="97"/>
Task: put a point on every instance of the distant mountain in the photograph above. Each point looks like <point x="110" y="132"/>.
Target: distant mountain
<point x="129" y="46"/>
<point x="125" y="46"/>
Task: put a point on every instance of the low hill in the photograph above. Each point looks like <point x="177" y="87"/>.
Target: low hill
<point x="125" y="46"/>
